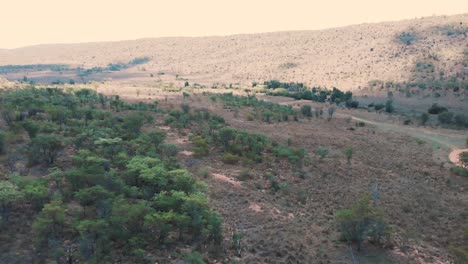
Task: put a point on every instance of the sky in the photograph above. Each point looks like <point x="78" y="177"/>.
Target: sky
<point x="30" y="22"/>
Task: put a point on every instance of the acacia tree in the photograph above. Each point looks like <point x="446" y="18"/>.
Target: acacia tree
<point x="9" y="195"/>
<point x="44" y="148"/>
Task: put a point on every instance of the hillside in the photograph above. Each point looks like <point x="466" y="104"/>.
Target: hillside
<point x="346" y="57"/>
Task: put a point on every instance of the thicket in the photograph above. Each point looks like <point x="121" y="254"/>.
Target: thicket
<point x="113" y="191"/>
<point x="300" y="91"/>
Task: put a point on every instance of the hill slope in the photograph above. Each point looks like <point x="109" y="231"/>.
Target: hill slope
<point x="346" y="57"/>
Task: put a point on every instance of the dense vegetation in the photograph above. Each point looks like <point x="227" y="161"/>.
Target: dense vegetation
<point x="101" y="186"/>
<point x="301" y="91"/>
<point x="33" y="67"/>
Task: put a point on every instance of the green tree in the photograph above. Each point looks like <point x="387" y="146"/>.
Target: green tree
<point x="30" y="127"/>
<point x="49" y="224"/>
<point x="94" y="237"/>
<point x="2" y="142"/>
<point x="37" y="193"/>
<point x="389" y="106"/>
<point x="44" y="148"/>
<point x="9" y="195"/>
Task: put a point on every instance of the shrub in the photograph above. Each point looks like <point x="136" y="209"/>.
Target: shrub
<point x="194" y="258"/>
<point x="348" y="152"/>
<point x="43" y="148"/>
<point x="407" y="38"/>
<point x="201" y="146"/>
<point x="464" y="159"/>
<point x="185" y="108"/>
<point x="2" y="142"/>
<point x="230" y="158"/>
<point x="322" y="152"/>
<point x="389" y="106"/>
<point x="436" y="109"/>
<point x="331" y="111"/>
<point x="445" y="117"/>
<point x="362" y="222"/>
<point x="306" y="110"/>
<point x="30" y="127"/>
<point x="424" y="118"/>
<point x="9" y="195"/>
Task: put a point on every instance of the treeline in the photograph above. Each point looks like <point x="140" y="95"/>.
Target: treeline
<point x="300" y="91"/>
<point x="113" y="190"/>
<point x="112" y="67"/>
<point x="33" y="67"/>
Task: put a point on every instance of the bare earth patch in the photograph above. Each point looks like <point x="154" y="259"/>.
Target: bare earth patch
<point x="454" y="156"/>
<point x="256" y="208"/>
<point x="186" y="153"/>
<point x="225" y="178"/>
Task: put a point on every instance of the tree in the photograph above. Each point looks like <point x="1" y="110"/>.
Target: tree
<point x="94" y="237"/>
<point x="2" y="142"/>
<point x="362" y="222"/>
<point x="30" y="127"/>
<point x="331" y="111"/>
<point x="389" y="106"/>
<point x="37" y="194"/>
<point x="49" y="224"/>
<point x="44" y="148"/>
<point x="9" y="195"/>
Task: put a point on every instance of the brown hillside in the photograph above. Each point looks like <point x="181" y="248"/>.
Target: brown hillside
<point x="346" y="57"/>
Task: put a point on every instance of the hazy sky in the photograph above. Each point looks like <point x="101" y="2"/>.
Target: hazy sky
<point x="28" y="22"/>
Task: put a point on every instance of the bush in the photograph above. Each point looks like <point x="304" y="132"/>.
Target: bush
<point x="436" y="109"/>
<point x="407" y="38"/>
<point x="2" y="142"/>
<point x="185" y="108"/>
<point x="322" y="152"/>
<point x="194" y="258"/>
<point x="424" y="118"/>
<point x="30" y="127"/>
<point x="362" y="222"/>
<point x="201" y="146"/>
<point x="445" y="118"/>
<point x="44" y="148"/>
<point x="464" y="159"/>
<point x="306" y="110"/>
<point x="389" y="106"/>
<point x="230" y="158"/>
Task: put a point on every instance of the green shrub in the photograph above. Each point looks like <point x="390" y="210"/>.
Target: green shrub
<point x="31" y="127"/>
<point x="362" y="222"/>
<point x="194" y="258"/>
<point x="2" y="142"/>
<point x="389" y="106"/>
<point x="445" y="118"/>
<point x="436" y="109"/>
<point x="230" y="158"/>
<point x="322" y="152"/>
<point x="306" y="110"/>
<point x="464" y="159"/>
<point x="201" y="148"/>
<point x="407" y="38"/>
